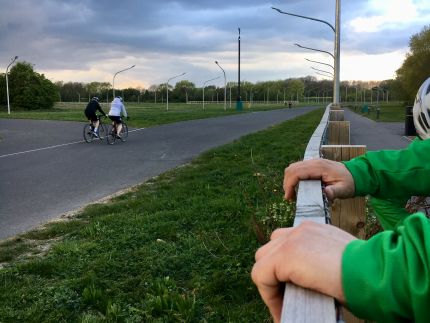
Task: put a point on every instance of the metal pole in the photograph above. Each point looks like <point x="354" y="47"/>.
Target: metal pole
<point x="204" y="85"/>
<point x="225" y="86"/>
<point x="230" y="96"/>
<point x="337" y="56"/>
<point x="167" y="88"/>
<point x="7" y="84"/>
<point x="113" y="80"/>
<point x="239" y="99"/>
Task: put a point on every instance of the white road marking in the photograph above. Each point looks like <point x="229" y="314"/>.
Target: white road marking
<point x="52" y="147"/>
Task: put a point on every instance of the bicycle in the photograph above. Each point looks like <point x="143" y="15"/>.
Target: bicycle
<point x="90" y="135"/>
<point x="112" y="133"/>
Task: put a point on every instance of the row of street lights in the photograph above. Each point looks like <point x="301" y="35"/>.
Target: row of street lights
<point x="336" y="56"/>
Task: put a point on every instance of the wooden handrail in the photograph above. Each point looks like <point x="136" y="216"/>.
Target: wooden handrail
<point x="304" y="305"/>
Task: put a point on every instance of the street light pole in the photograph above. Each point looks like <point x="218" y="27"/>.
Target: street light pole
<point x="225" y="86"/>
<point x="336" y="55"/>
<point x="204" y="85"/>
<point x="7" y="84"/>
<point x="167" y="88"/>
<point x="113" y="80"/>
<point x="239" y="99"/>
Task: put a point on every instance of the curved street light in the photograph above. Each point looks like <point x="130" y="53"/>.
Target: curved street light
<point x="322" y="71"/>
<point x="325" y="75"/>
<point x="336" y="56"/>
<point x="113" y="80"/>
<point x="167" y="88"/>
<point x="7" y="84"/>
<point x="309" y="60"/>
<point x="204" y="85"/>
<point x="225" y="86"/>
<point x="317" y="50"/>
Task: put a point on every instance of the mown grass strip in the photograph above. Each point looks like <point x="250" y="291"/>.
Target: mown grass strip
<point x="179" y="248"/>
<point x="389" y="111"/>
<point x="143" y="114"/>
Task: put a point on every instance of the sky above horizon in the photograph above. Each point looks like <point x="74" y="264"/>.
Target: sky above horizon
<point x="90" y="40"/>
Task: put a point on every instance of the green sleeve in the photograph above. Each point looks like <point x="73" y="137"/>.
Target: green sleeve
<point x="389" y="212"/>
<point x="387" y="278"/>
<point x="393" y="173"/>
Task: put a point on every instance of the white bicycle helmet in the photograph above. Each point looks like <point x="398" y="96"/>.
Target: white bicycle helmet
<point x="95" y="99"/>
<point x="421" y="110"/>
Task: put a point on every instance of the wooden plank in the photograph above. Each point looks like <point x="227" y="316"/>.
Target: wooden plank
<point x="337" y="115"/>
<point x="347" y="214"/>
<point x="338" y="133"/>
<point x="344" y="133"/>
<point x="302" y="305"/>
<point x="305" y="306"/>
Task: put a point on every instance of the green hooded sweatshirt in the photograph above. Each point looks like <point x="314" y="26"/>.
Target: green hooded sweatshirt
<point x="387" y="278"/>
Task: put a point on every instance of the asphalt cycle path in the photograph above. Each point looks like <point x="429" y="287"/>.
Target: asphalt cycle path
<point x="46" y="170"/>
<point x="376" y="135"/>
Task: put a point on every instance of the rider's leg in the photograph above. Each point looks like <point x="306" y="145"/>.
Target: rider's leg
<point x="118" y="128"/>
<point x="96" y="125"/>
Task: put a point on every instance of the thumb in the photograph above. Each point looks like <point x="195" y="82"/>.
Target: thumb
<point x="338" y="190"/>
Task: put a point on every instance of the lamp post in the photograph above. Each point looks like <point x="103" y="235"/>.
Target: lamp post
<point x="7" y="84"/>
<point x="225" y="86"/>
<point x="336" y="55"/>
<point x="167" y="88"/>
<point x="239" y="99"/>
<point x="113" y="80"/>
<point x="204" y="85"/>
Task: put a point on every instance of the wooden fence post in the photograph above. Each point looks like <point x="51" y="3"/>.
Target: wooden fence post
<point x="337" y="115"/>
<point x="347" y="214"/>
<point x="338" y="133"/>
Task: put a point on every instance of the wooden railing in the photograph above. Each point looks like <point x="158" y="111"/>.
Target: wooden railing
<point x="303" y="305"/>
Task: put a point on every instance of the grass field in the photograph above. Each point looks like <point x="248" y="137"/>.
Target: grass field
<point x="142" y="115"/>
<point x="178" y="248"/>
<point x="389" y="112"/>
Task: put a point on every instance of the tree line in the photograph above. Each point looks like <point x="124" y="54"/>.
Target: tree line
<point x="31" y="90"/>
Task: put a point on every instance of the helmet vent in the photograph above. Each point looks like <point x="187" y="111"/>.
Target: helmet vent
<point x="423" y="121"/>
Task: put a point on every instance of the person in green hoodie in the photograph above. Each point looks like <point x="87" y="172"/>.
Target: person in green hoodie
<point x="386" y="278"/>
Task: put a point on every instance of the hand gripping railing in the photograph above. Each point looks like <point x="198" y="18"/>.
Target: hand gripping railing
<point x="303" y="305"/>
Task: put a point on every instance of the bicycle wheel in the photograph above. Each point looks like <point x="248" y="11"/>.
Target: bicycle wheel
<point x="88" y="133"/>
<point x="111" y="136"/>
<point x="102" y="131"/>
<point x="124" y="131"/>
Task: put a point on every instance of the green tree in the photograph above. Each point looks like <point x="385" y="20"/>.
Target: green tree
<point x="31" y="90"/>
<point x="295" y="89"/>
<point x="182" y="90"/>
<point x="416" y="67"/>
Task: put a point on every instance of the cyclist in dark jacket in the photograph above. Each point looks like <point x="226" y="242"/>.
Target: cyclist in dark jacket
<point x="90" y="112"/>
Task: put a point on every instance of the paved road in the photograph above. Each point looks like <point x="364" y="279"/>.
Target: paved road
<point x="46" y="170"/>
<point x="376" y="135"/>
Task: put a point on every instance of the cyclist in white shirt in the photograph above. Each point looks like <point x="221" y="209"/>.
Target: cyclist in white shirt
<point x="117" y="109"/>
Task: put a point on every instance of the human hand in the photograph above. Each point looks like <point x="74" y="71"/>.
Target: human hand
<point x="309" y="255"/>
<point x="338" y="180"/>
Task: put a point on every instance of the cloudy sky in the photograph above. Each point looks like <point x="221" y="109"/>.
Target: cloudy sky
<point x="90" y="40"/>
